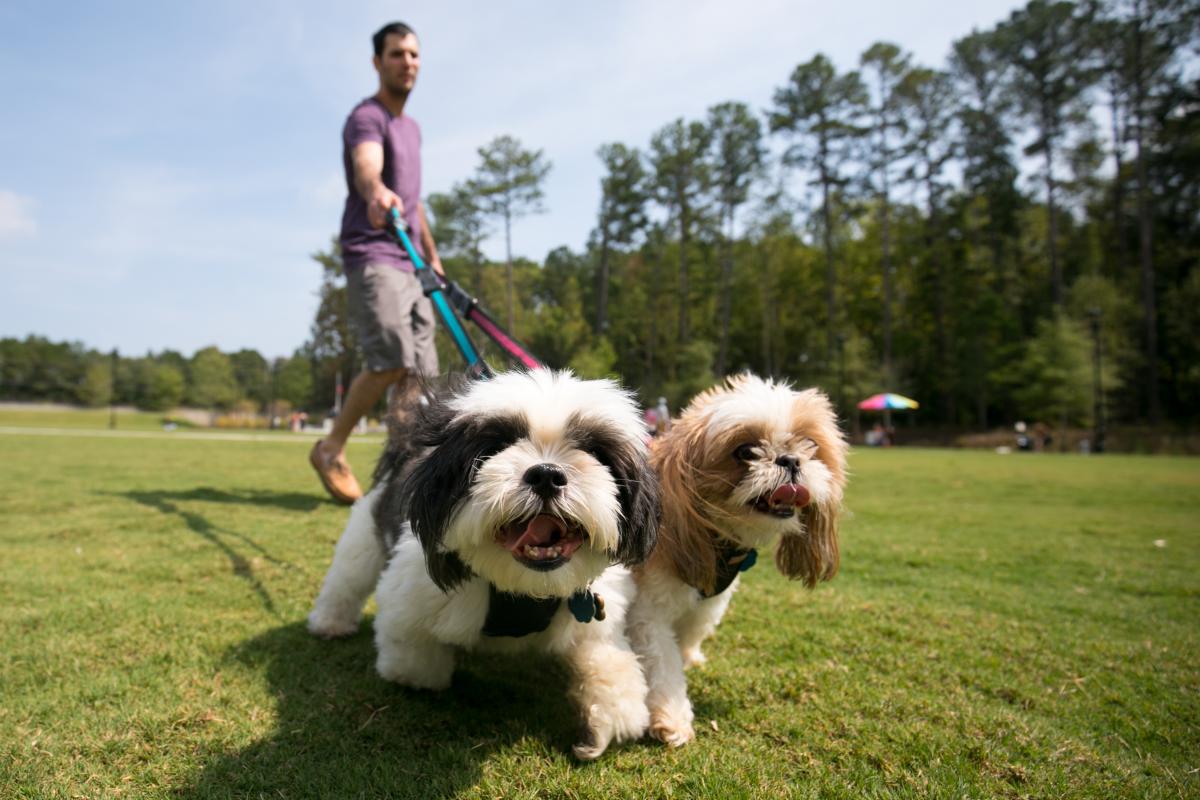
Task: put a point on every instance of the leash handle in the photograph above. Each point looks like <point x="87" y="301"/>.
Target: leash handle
<point x="432" y="286"/>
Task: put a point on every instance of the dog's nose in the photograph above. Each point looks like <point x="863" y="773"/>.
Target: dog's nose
<point x="546" y="480"/>
<point x="790" y="463"/>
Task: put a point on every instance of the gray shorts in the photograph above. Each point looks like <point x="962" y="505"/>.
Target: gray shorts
<point x="392" y="318"/>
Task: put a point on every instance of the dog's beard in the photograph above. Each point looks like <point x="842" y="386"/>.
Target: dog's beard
<point x="769" y="500"/>
<point x="526" y="544"/>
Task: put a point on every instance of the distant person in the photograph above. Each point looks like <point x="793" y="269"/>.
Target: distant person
<point x="391" y="315"/>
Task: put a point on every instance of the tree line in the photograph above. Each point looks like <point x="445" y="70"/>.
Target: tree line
<point x="37" y="369"/>
<point x="979" y="235"/>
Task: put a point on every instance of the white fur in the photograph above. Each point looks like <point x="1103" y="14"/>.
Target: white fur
<point x="420" y="626"/>
<point x="669" y="618"/>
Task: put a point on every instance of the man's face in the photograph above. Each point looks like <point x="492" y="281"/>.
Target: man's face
<point x="399" y="64"/>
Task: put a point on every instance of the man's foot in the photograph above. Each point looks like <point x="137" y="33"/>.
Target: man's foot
<point x="335" y="474"/>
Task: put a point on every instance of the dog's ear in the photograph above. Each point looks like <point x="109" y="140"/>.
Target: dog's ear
<point x="637" y="489"/>
<point x="813" y="555"/>
<point x="687" y="533"/>
<point x="641" y="510"/>
<point x="441" y="477"/>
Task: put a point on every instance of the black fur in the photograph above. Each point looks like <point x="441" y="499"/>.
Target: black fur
<point x="426" y="492"/>
<point x="637" y="488"/>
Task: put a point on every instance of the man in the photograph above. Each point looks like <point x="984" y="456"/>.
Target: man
<point x="392" y="317"/>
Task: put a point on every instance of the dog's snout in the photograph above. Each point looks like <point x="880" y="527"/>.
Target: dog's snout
<point x="546" y="480"/>
<point x="788" y="462"/>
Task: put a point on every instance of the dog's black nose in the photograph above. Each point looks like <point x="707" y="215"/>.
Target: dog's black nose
<point x="790" y="463"/>
<point x="546" y="480"/>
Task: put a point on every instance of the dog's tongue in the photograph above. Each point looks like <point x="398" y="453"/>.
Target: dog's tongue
<point x="539" y="532"/>
<point x="790" y="494"/>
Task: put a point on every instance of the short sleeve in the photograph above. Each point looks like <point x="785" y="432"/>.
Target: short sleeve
<point x="367" y="123"/>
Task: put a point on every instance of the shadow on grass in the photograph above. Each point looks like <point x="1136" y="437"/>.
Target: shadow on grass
<point x="341" y="731"/>
<point x="167" y="503"/>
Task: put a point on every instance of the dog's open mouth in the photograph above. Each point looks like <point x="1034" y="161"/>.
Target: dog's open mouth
<point x="784" y="501"/>
<point x="544" y="542"/>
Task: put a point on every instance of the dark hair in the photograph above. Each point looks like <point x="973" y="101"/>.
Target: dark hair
<point x="398" y="28"/>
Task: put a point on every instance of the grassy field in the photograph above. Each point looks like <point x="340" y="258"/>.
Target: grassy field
<point x="1003" y="626"/>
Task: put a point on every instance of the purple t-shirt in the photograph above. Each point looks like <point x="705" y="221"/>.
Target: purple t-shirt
<point x="363" y="244"/>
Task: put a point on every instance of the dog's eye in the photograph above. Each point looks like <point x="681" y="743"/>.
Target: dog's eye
<point x="806" y="448"/>
<point x="746" y="452"/>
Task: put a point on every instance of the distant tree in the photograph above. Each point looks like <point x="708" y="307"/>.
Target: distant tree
<point x="211" y="381"/>
<point x="460" y="226"/>
<point x="96" y="388"/>
<point x="509" y="182"/>
<point x="1150" y="35"/>
<point x="738" y="156"/>
<point x="623" y="195"/>
<point x="927" y="97"/>
<point x="886" y="65"/>
<point x="1053" y="380"/>
<point x="253" y="375"/>
<point x="682" y="177"/>
<point x="978" y="68"/>
<point x="294" y="379"/>
<point x="161" y="387"/>
<point x="332" y="346"/>
<point x="819" y="110"/>
<point x="1048" y="46"/>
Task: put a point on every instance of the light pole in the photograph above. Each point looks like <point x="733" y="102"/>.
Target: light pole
<point x="1097" y="387"/>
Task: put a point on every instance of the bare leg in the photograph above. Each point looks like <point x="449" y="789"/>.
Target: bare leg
<point x="365" y="391"/>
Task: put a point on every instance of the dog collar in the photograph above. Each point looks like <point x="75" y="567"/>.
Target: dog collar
<point x="730" y="562"/>
<point x="518" y="615"/>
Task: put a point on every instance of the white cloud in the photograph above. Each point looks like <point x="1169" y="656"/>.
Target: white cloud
<point x="16" y="215"/>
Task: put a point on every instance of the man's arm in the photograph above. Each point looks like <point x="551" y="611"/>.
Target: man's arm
<point x="431" y="253"/>
<point x="367" y="160"/>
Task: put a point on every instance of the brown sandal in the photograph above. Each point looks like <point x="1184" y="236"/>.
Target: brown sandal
<point x="335" y="475"/>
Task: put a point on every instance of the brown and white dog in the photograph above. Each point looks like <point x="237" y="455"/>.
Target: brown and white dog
<point x="747" y="464"/>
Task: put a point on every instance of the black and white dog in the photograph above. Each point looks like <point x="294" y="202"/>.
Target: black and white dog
<point x="502" y="517"/>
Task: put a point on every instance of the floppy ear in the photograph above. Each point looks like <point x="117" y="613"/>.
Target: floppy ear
<point x="812" y="556"/>
<point x="641" y="510"/>
<point x="440" y="478"/>
<point x="686" y="534"/>
<point x="637" y="491"/>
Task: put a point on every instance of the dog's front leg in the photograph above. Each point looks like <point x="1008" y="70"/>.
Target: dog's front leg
<point x="420" y="662"/>
<point x="610" y="690"/>
<point x="357" y="561"/>
<point x="667" y="700"/>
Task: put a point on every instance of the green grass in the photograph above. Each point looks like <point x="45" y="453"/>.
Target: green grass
<point x="1003" y="626"/>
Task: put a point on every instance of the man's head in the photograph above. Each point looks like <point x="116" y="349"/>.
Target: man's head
<point x="397" y="58"/>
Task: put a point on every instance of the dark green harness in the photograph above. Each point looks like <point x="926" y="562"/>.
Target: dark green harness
<point x="519" y="615"/>
<point x="731" y="560"/>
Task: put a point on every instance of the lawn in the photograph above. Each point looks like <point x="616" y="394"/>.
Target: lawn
<point x="1003" y="626"/>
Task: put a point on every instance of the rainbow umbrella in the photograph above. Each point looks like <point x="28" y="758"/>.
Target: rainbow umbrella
<point x="887" y="400"/>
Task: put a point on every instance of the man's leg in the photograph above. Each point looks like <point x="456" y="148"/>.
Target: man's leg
<point x="365" y="391"/>
<point x="328" y="456"/>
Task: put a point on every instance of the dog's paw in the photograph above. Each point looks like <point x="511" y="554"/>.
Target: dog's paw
<point x="693" y="657"/>
<point x="406" y="669"/>
<point x="592" y="742"/>
<point x="669" y="730"/>
<point x="328" y="626"/>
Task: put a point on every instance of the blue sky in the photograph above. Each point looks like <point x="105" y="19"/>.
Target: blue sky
<point x="167" y="168"/>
